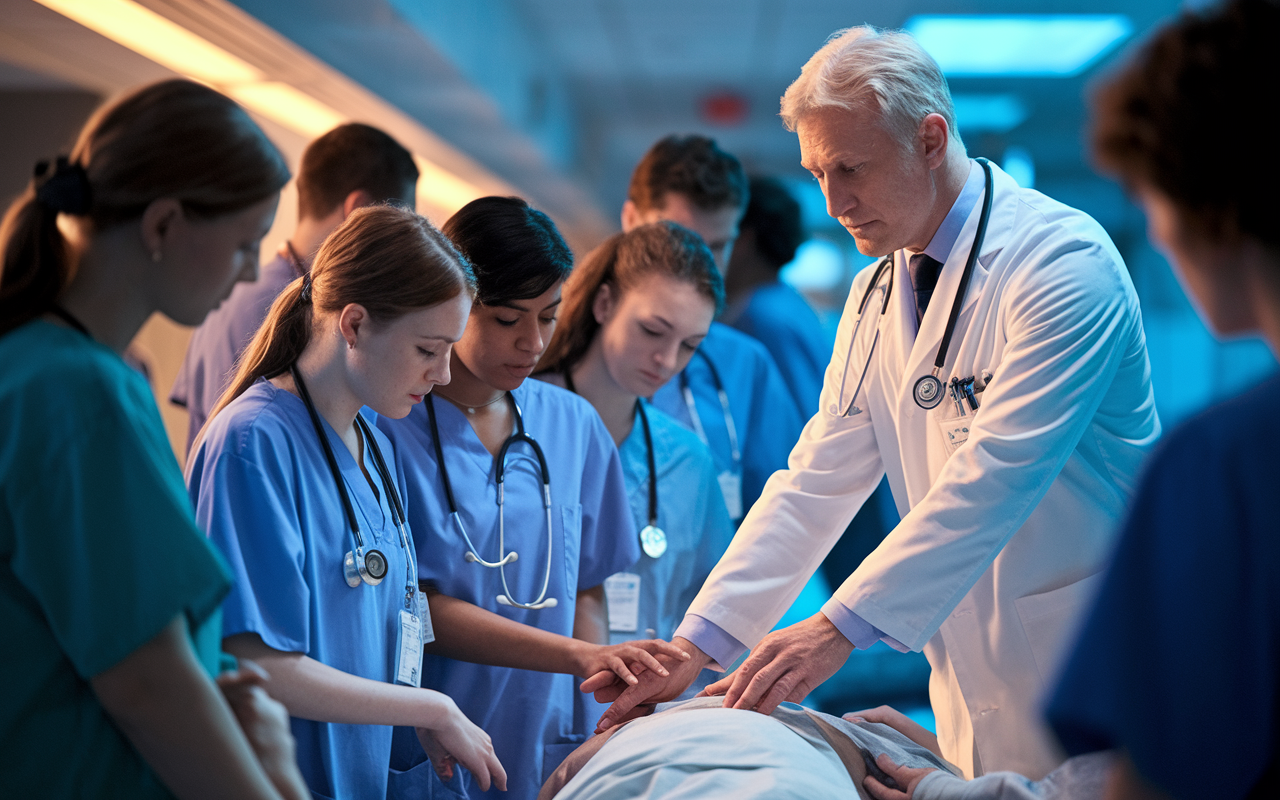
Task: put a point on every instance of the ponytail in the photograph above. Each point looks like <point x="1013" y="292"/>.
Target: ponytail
<point x="37" y="265"/>
<point x="176" y="139"/>
<point x="385" y="258"/>
<point x="622" y="262"/>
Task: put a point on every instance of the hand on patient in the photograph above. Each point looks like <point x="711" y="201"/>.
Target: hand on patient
<point x="901" y="723"/>
<point x="624" y="661"/>
<point x="651" y="686"/>
<point x="785" y="666"/>
<point x="904" y="777"/>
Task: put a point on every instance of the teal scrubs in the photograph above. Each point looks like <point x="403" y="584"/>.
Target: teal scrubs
<point x="98" y="553"/>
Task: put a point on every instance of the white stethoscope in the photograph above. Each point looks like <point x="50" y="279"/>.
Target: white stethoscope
<point x="928" y="390"/>
<point x="504" y="558"/>
<point x="360" y="565"/>
<point x="687" y="393"/>
<point x="653" y="540"/>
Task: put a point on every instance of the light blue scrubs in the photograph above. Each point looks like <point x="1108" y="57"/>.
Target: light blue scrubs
<point x="768" y="424"/>
<point x="691" y="513"/>
<point x="530" y="715"/>
<point x="783" y="321"/>
<point x="218" y="342"/>
<point x="264" y="493"/>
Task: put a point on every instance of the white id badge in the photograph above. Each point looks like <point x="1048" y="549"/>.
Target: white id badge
<point x="622" y="593"/>
<point x="424" y="614"/>
<point x="731" y="488"/>
<point x="955" y="432"/>
<point x="409" y="650"/>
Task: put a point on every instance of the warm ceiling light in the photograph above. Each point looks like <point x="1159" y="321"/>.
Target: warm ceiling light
<point x="1025" y="45"/>
<point x="443" y="189"/>
<point x="146" y="32"/>
<point x="288" y="106"/>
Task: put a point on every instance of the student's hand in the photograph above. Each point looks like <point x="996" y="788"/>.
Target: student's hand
<point x="902" y="724"/>
<point x="265" y="723"/>
<point x="627" y="659"/>
<point x="459" y="740"/>
<point x="650" y="687"/>
<point x="903" y="776"/>
<point x="785" y="666"/>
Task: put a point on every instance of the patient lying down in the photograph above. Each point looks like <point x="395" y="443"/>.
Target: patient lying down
<point x="697" y="749"/>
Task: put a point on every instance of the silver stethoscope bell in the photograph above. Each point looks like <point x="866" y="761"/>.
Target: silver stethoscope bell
<point x="653" y="540"/>
<point x="928" y="391"/>
<point x="370" y="568"/>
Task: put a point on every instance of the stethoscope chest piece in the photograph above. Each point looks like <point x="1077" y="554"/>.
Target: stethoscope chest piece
<point x="928" y="391"/>
<point x="653" y="540"/>
<point x="360" y="567"/>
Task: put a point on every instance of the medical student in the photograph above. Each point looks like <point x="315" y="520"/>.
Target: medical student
<point x="109" y="592"/>
<point x="731" y="393"/>
<point x="635" y="311"/>
<point x="351" y="166"/>
<point x="518" y="506"/>
<point x="762" y="306"/>
<point x="1009" y="402"/>
<point x="1199" y="551"/>
<point x="299" y="491"/>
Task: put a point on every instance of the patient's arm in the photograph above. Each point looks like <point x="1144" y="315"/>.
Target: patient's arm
<point x="572" y="765"/>
<point x="903" y="776"/>
<point x="902" y="724"/>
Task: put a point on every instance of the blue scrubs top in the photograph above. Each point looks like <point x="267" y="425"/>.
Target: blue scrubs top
<point x="218" y="342"/>
<point x="767" y="421"/>
<point x="1185" y="633"/>
<point x="263" y="491"/>
<point x="690" y="511"/>
<point x="779" y="318"/>
<point x="530" y="715"/>
<point x="98" y="553"/>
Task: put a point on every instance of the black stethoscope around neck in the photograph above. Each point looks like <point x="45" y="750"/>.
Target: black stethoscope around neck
<point x="928" y="389"/>
<point x="361" y="565"/>
<point x="504" y="558"/>
<point x="653" y="540"/>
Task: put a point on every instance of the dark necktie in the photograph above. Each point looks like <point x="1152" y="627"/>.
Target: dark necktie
<point x="924" y="277"/>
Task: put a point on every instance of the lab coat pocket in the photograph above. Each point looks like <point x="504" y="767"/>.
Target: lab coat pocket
<point x="953" y="427"/>
<point x="1050" y="621"/>
<point x="571" y="535"/>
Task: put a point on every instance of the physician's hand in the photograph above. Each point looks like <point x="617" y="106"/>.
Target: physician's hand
<point x="460" y="740"/>
<point x="265" y="723"/>
<point x="650" y="687"/>
<point x="785" y="666"/>
<point x="906" y="779"/>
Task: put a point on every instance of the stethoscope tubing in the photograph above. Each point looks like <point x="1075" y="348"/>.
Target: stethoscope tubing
<point x="504" y="558"/>
<point x="887" y="264"/>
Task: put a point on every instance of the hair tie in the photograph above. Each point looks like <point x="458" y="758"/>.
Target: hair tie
<point x="306" y="287"/>
<point x="64" y="188"/>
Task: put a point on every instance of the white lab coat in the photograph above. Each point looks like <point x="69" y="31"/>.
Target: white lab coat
<point x="993" y="560"/>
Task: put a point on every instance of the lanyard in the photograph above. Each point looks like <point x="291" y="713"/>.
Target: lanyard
<point x="393" y="496"/>
<point x="723" y="396"/>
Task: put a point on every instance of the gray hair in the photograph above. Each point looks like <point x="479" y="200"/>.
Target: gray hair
<point x="868" y="68"/>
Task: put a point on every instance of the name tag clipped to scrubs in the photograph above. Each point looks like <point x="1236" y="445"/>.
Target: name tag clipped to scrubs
<point x="414" y="631"/>
<point x="622" y="594"/>
<point x="731" y="487"/>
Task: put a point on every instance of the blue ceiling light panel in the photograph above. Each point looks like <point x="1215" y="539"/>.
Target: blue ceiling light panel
<point x="989" y="113"/>
<point x="1030" y="45"/>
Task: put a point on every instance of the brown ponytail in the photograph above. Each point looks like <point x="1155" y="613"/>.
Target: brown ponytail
<point x="623" y="261"/>
<point x="385" y="258"/>
<point x="175" y="139"/>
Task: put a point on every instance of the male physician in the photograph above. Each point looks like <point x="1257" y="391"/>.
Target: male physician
<point x="1007" y="510"/>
